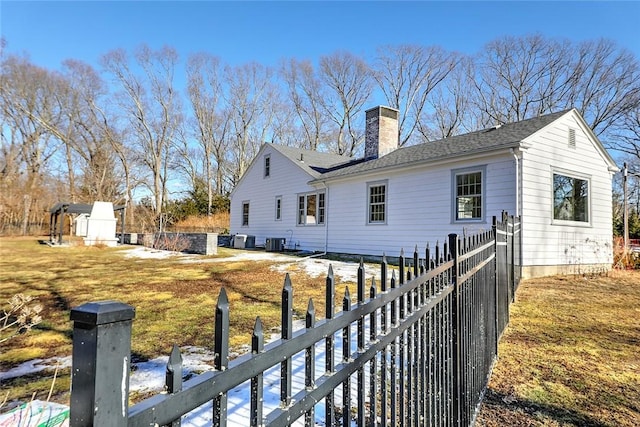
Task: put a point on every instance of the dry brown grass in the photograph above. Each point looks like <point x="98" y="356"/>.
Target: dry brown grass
<point x="570" y="355"/>
<point x="174" y="301"/>
<point x="218" y="220"/>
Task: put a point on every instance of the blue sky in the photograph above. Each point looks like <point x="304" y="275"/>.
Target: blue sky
<point x="265" y="32"/>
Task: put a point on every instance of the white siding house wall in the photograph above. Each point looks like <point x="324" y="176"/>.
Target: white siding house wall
<point x="286" y="180"/>
<point x="546" y="241"/>
<point x="419" y="207"/>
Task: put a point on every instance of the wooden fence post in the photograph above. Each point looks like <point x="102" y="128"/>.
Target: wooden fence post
<point x="101" y="361"/>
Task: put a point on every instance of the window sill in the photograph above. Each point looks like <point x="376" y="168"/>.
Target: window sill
<point x="565" y="223"/>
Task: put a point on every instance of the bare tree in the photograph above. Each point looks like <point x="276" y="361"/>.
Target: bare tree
<point x="152" y="106"/>
<point x="26" y="106"/>
<point x="407" y="75"/>
<point x="306" y="93"/>
<point x="210" y="124"/>
<point x="605" y="84"/>
<point x="449" y="104"/>
<point x="516" y="78"/>
<point x="251" y="94"/>
<point x="349" y="86"/>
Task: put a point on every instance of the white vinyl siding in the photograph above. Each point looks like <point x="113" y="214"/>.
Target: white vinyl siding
<point x="419" y="208"/>
<point x="567" y="243"/>
<point x="287" y="180"/>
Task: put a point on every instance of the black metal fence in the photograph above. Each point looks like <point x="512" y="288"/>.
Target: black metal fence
<point x="416" y="349"/>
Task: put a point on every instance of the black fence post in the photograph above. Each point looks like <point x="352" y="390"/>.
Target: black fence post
<point x="286" y="317"/>
<point x="221" y="350"/>
<point x="330" y="297"/>
<point x="101" y="361"/>
<point x="173" y="377"/>
<point x="496" y="282"/>
<point x="257" y="391"/>
<point x="455" y="329"/>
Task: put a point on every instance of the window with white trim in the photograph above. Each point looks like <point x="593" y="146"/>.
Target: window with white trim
<point x="267" y="166"/>
<point x="245" y="214"/>
<point x="311" y="209"/>
<point x="377" y="203"/>
<point x="468" y="191"/>
<point x="570" y="198"/>
<point x="278" y="208"/>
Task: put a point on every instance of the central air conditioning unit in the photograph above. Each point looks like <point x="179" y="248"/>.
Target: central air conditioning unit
<point x="243" y="241"/>
<point x="275" y="244"/>
<point x="239" y="240"/>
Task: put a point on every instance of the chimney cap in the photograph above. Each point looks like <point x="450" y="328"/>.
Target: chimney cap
<point x="380" y="107"/>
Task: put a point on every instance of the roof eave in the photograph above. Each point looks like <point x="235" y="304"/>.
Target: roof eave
<point x="411" y="164"/>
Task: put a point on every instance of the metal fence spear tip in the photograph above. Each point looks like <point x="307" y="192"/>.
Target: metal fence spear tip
<point x="223" y="301"/>
<point x="175" y="358"/>
<point x="257" y="337"/>
<point x="311" y="310"/>
<point x="257" y="327"/>
<point x="287" y="281"/>
<point x="330" y="272"/>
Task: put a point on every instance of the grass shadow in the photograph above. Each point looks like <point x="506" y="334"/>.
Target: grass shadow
<point x="502" y="409"/>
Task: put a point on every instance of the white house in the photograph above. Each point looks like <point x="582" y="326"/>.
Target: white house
<point x="550" y="170"/>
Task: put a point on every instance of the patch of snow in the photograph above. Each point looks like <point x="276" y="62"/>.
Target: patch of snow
<point x="314" y="267"/>
<point x="35" y="366"/>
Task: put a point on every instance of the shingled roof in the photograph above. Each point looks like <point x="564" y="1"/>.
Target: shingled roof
<point x="313" y="162"/>
<point x="505" y="136"/>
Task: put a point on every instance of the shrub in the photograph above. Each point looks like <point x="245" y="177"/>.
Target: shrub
<point x="623" y="258"/>
<point x="22" y="315"/>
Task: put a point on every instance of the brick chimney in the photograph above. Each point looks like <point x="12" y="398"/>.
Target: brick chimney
<point x="381" y="133"/>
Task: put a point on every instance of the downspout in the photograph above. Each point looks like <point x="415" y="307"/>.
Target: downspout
<point x="517" y="159"/>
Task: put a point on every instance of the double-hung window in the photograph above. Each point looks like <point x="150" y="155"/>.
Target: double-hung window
<point x="377" y="203"/>
<point x="245" y="214"/>
<point x="311" y="209"/>
<point x="278" y="208"/>
<point x="570" y="198"/>
<point x="267" y="166"/>
<point x="468" y="192"/>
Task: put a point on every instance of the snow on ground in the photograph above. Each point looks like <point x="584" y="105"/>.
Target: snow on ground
<point x="149" y="376"/>
<point x="312" y="265"/>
